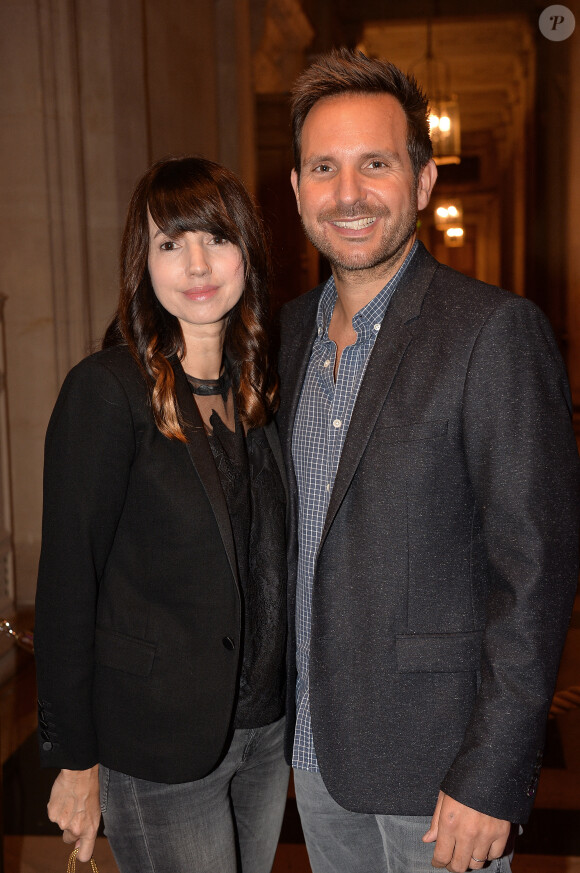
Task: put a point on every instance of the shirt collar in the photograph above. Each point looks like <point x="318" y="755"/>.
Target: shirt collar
<point x="370" y="315"/>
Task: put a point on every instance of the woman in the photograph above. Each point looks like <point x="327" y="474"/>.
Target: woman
<point x="161" y="595"/>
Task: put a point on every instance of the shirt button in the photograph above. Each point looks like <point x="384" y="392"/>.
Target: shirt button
<point x="337" y="423"/>
<point x="228" y="643"/>
<point x="328" y="486"/>
<point x="326" y="364"/>
<point x="377" y="326"/>
<point x="319" y="331"/>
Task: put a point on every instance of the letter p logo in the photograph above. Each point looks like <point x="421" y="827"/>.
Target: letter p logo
<point x="557" y="23"/>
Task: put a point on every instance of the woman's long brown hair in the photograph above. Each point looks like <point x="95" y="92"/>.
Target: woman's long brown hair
<point x="194" y="194"/>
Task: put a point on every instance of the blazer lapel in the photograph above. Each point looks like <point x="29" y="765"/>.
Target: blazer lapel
<point x="390" y="346"/>
<point x="272" y="436"/>
<point x="202" y="459"/>
<point x="302" y="333"/>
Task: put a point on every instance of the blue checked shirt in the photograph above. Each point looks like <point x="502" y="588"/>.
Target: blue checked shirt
<point x="320" y="428"/>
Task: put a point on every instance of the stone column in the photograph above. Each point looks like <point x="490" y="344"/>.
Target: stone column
<point x="234" y="89"/>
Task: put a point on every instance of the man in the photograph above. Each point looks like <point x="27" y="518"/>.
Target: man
<point x="425" y="420"/>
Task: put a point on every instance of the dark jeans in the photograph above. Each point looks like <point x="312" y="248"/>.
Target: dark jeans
<point x="228" y="822"/>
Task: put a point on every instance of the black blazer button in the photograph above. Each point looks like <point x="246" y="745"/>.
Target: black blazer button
<point x="47" y="747"/>
<point x="229" y="643"/>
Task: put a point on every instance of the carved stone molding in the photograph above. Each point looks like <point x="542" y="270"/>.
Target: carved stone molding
<point x="279" y="58"/>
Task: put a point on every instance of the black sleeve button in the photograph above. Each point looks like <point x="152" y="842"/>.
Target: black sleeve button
<point x="229" y="643"/>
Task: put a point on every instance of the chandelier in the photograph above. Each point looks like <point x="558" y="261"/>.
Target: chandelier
<point x="444" y="123"/>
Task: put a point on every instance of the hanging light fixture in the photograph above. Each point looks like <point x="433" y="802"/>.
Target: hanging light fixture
<point x="453" y="237"/>
<point x="449" y="219"/>
<point x="444" y="122"/>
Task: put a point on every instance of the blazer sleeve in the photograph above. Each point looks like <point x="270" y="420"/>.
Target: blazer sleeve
<point x="89" y="448"/>
<point x="523" y="465"/>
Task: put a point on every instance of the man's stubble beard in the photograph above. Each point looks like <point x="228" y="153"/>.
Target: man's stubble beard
<point x="388" y="252"/>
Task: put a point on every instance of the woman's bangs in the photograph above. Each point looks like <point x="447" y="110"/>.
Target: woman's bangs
<point x="197" y="207"/>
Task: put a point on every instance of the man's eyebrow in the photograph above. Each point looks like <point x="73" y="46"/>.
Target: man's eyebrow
<point x="318" y="159"/>
<point x="383" y="154"/>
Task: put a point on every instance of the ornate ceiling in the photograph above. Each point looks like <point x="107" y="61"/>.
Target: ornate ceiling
<point x="491" y="64"/>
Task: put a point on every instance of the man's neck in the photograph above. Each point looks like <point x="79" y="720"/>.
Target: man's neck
<point x="356" y="288"/>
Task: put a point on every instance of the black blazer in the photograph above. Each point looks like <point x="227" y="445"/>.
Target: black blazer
<point x="449" y="556"/>
<point x="138" y="614"/>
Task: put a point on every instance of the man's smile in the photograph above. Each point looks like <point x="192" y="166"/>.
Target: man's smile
<point x="355" y="224"/>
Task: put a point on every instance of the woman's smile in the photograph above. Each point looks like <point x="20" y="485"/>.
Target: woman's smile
<point x="203" y="292"/>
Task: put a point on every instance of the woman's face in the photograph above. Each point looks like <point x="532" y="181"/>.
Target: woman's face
<point x="197" y="277"/>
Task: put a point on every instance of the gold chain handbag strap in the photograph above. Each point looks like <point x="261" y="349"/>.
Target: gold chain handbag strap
<point x="72" y="863"/>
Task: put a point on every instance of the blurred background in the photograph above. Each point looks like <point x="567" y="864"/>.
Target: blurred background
<point x="92" y="91"/>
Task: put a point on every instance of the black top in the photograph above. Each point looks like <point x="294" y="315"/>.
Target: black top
<point x="256" y="502"/>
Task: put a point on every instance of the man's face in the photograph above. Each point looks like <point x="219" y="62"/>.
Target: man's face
<point x="357" y="196"/>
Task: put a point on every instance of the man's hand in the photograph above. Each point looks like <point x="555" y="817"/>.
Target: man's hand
<point x="75" y="806"/>
<point x="465" y="839"/>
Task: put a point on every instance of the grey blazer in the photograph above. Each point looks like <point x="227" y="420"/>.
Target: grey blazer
<point x="449" y="556"/>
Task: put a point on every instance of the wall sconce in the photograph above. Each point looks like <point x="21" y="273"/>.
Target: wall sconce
<point x="449" y="219"/>
<point x="453" y="237"/>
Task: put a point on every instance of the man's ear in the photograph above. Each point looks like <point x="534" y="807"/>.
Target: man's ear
<point x="426" y="181"/>
<point x="294" y="182"/>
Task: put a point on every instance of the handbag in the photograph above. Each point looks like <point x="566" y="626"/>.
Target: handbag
<point x="72" y="863"/>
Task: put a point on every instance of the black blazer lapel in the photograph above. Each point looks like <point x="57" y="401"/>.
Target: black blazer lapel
<point x="274" y="441"/>
<point x="390" y="346"/>
<point x="202" y="460"/>
<point x="299" y="335"/>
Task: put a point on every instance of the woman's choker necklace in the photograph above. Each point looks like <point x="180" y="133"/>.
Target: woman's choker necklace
<point x="208" y="387"/>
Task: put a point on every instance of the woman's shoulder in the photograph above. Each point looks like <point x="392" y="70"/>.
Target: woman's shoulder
<point x="115" y="363"/>
<point x="117" y="359"/>
<point x="111" y="375"/>
<point x="101" y="392"/>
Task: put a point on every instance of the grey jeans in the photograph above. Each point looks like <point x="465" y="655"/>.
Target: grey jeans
<point x="339" y="841"/>
<point x="228" y="822"/>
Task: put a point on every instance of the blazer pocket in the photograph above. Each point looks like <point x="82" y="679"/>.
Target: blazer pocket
<point x="439" y="653"/>
<point x="425" y="430"/>
<point x="120" y="652"/>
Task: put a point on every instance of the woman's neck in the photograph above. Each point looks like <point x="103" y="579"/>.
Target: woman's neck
<point x="204" y="353"/>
